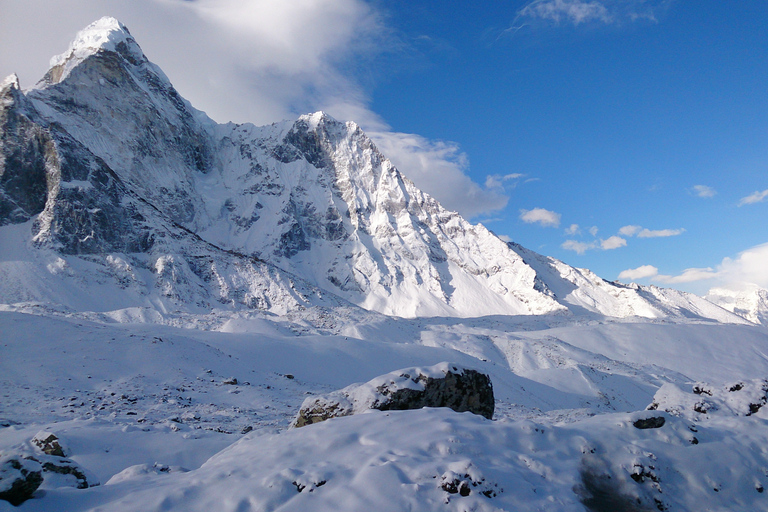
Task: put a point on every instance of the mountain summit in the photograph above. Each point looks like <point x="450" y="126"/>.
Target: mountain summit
<point x="106" y="164"/>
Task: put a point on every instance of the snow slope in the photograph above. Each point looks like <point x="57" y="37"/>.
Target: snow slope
<point x="147" y="407"/>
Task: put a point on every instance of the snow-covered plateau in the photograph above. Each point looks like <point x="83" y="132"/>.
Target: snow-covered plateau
<point x="172" y="291"/>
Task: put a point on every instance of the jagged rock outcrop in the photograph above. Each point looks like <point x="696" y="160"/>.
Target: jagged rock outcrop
<point x="443" y="385"/>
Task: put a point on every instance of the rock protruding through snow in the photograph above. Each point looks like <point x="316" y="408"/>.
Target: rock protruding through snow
<point x="442" y="385"/>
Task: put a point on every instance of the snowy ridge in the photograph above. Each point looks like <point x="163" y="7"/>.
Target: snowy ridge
<point x="582" y="290"/>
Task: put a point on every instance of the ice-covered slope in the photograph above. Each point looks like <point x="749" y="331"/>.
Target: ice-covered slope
<point x="312" y="197"/>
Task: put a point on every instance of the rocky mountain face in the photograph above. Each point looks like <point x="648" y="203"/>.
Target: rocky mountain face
<point x="104" y="162"/>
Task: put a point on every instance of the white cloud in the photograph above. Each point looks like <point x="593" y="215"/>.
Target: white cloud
<point x="256" y="61"/>
<point x="573" y="229"/>
<point x="578" y="247"/>
<point x="540" y="216"/>
<point x="748" y="268"/>
<point x="573" y="11"/>
<point x="630" y="230"/>
<point x="689" y="275"/>
<point x="639" y="273"/>
<point x="647" y="233"/>
<point x="613" y="242"/>
<point x="439" y="168"/>
<point x="757" y="197"/>
<point x="593" y="231"/>
<point x="704" y="191"/>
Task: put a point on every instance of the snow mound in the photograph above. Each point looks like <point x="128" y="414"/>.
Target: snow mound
<point x="436" y="459"/>
<point x="742" y="398"/>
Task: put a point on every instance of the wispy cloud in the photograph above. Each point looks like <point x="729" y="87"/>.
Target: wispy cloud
<point x="704" y="191"/>
<point x="578" y="247"/>
<point x="641" y="272"/>
<point x="630" y="230"/>
<point x="579" y="12"/>
<point x="573" y="229"/>
<point x="573" y="11"/>
<point x="500" y="181"/>
<point x="642" y="232"/>
<point x="648" y="233"/>
<point x="757" y="197"/>
<point x="439" y="168"/>
<point x="541" y="216"/>
<point x="689" y="275"/>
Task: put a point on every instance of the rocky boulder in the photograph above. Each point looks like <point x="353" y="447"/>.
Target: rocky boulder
<point x="49" y="444"/>
<point x="442" y="385"/>
<point x="19" y="479"/>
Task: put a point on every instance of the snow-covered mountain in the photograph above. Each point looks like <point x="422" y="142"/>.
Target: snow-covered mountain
<point x="749" y="301"/>
<point x="172" y="290"/>
<point x="105" y="159"/>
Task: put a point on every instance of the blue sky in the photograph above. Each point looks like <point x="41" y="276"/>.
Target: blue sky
<point x="629" y="137"/>
<point x="612" y="122"/>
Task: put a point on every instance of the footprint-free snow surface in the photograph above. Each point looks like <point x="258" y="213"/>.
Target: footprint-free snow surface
<point x="172" y="290"/>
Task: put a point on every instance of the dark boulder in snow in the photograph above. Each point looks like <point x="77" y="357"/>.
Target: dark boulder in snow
<point x="19" y="479"/>
<point x="49" y="444"/>
<point x="652" y="422"/>
<point x="442" y="385"/>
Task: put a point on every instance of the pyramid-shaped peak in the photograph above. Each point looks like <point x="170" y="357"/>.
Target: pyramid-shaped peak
<point x="105" y="34"/>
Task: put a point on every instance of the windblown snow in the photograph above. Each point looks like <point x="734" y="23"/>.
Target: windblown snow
<point x="172" y="290"/>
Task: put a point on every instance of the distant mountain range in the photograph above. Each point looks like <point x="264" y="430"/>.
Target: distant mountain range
<point x="115" y="192"/>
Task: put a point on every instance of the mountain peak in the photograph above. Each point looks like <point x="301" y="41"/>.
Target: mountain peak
<point x="105" y="34"/>
<point x="11" y="80"/>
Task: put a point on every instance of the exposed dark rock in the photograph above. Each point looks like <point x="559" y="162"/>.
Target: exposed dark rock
<point x="652" y="422"/>
<point x="49" y="444"/>
<point x="293" y="241"/>
<point x="24" y="149"/>
<point x="19" y="479"/>
<point x="702" y="389"/>
<point x="68" y="467"/>
<point x="442" y="385"/>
